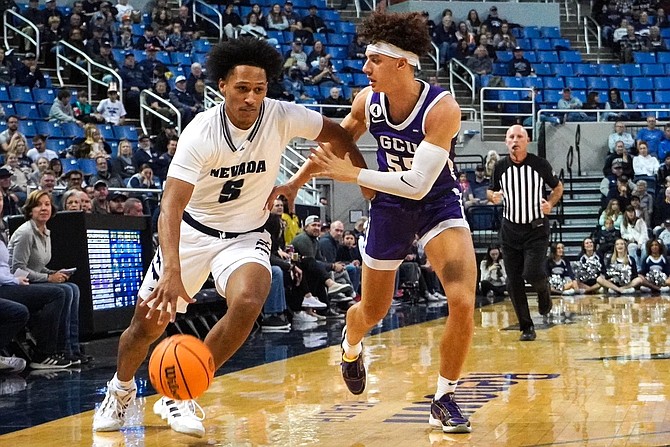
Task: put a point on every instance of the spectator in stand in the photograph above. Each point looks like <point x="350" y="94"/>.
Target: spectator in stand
<point x="83" y="110"/>
<point x="61" y="110"/>
<point x="620" y="155"/>
<point x="623" y="191"/>
<point x="19" y="179"/>
<point x="330" y="244"/>
<point x="254" y="28"/>
<point x="663" y="172"/>
<point x="651" y="135"/>
<point x="94" y="43"/>
<point x="293" y="83"/>
<point x="195" y="75"/>
<point x="100" y="197"/>
<point x="144" y="153"/>
<point x="276" y="20"/>
<point x="232" y="22"/>
<point x="664" y="233"/>
<point x="11" y="134"/>
<point x="49" y="40"/>
<point x="160" y="89"/>
<point x="663" y="145"/>
<point x="74" y="179"/>
<point x="122" y="164"/>
<point x="610" y="20"/>
<point x="34" y="15"/>
<point x="336" y="99"/>
<point x="480" y="63"/>
<point x="492" y="274"/>
<point x="184" y="101"/>
<point x="164" y="136"/>
<point x="111" y="108"/>
<point x="134" y="81"/>
<point x="620" y="134"/>
<point x="125" y="41"/>
<point x="144" y="179"/>
<point x="473" y="22"/>
<point x="631" y="43"/>
<point x="147" y="40"/>
<point x="642" y="25"/>
<point x="296" y="56"/>
<point x="619" y="33"/>
<point x="661" y="209"/>
<point x="154" y="68"/>
<point x="313" y="22"/>
<point x="634" y="230"/>
<point x="180" y="41"/>
<point x="644" y="205"/>
<point x="655" y="41"/>
<point x="161" y="22"/>
<point x="519" y="66"/>
<point x="292" y="17"/>
<point x="10" y="199"/>
<point x="93" y="145"/>
<point x="6" y="69"/>
<point x="656" y="262"/>
<point x="493" y="22"/>
<point x="116" y="202"/>
<point x="613" y="212"/>
<point x="163" y="162"/>
<point x="429" y="23"/>
<point x="188" y="26"/>
<point x="40" y="149"/>
<point x="71" y="200"/>
<point x="318" y="51"/>
<point x="42" y="164"/>
<point x="133" y="207"/>
<point x="568" y="101"/>
<point x="462" y="34"/>
<point x="324" y="75"/>
<point x="103" y="173"/>
<point x="593" y="103"/>
<point x="29" y="74"/>
<point x="662" y="19"/>
<point x="445" y="38"/>
<point x="615" y="102"/>
<point x="645" y="166"/>
<point x="504" y="40"/>
<point x="356" y="49"/>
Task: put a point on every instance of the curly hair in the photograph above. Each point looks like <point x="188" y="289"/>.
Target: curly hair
<point x="404" y="30"/>
<point x="225" y="56"/>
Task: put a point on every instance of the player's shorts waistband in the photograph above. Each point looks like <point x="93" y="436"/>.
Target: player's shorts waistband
<point x="213" y="232"/>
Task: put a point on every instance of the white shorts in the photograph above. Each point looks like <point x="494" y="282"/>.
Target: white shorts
<point x="200" y="254"/>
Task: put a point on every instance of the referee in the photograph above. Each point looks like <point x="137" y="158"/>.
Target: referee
<point x="519" y="181"/>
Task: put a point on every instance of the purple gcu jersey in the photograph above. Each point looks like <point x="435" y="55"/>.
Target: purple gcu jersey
<point x="394" y="220"/>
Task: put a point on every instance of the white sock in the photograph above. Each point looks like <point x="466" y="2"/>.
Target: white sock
<point x="445" y="386"/>
<point x="125" y="386"/>
<point x="351" y="352"/>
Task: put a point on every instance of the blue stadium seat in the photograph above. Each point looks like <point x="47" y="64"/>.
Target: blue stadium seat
<point x="642" y="97"/>
<point x="625" y="95"/>
<point x="500" y="69"/>
<point x="330" y="14"/>
<point x="653" y="70"/>
<point x="551" y="96"/>
<point x="532" y="32"/>
<point x="533" y="81"/>
<point x="597" y="83"/>
<point x="338" y="52"/>
<point x="641" y="83"/>
<point x="106" y="131"/>
<point x="608" y="70"/>
<point x="483" y="218"/>
<point x="555" y="83"/>
<point x="564" y="70"/>
<point x="313" y="91"/>
<point x="27" y="111"/>
<point x="87" y="166"/>
<point x="50" y="128"/>
<point x="504" y="56"/>
<point x="138" y="29"/>
<point x="201" y="46"/>
<point x="44" y="110"/>
<point x="127" y="132"/>
<point x="353" y="65"/>
<point x="44" y="95"/>
<point x="164" y="57"/>
<point x="272" y="34"/>
<point x="58" y="145"/>
<point x="525" y="44"/>
<point x="345" y="27"/>
<point x="27" y="128"/>
<point x="570" y="56"/>
<point x="662" y="96"/>
<point x="542" y="69"/>
<point x="560" y="44"/>
<point x="69" y="164"/>
<point x="550" y="32"/>
<point x="550" y="57"/>
<point x="4" y="94"/>
<point x="347" y="78"/>
<point x="323" y="37"/>
<point x="644" y="58"/>
<point x="663" y="58"/>
<point x="586" y="69"/>
<point x="201" y="58"/>
<point x="531" y="56"/>
<point x="341" y="40"/>
<point x="179" y="58"/>
<point x="575" y="83"/>
<point x="662" y="83"/>
<point x="360" y="79"/>
<point x="621" y="83"/>
<point x="20" y="94"/>
<point x="72" y="129"/>
<point x="541" y="45"/>
<point x="512" y="81"/>
<point x="9" y="108"/>
<point x="631" y="70"/>
<point x="114" y="146"/>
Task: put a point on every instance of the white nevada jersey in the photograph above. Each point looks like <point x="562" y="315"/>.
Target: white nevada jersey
<point x="235" y="170"/>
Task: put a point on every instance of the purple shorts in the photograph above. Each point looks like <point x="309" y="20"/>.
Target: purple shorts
<point x="394" y="222"/>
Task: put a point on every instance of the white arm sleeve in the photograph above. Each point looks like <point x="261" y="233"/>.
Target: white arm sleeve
<point x="428" y="163"/>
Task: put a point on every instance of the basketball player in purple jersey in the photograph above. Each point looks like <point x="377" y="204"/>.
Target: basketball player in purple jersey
<point x="415" y="126"/>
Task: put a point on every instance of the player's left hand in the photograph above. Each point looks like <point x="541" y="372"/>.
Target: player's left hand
<point x="546" y="206"/>
<point x="287" y="190"/>
<point x="334" y="167"/>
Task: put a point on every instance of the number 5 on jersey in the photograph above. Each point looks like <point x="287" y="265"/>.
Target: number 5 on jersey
<point x="231" y="190"/>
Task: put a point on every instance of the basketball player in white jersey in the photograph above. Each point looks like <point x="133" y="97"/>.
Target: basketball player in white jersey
<point x="212" y="216"/>
<point x="415" y="126"/>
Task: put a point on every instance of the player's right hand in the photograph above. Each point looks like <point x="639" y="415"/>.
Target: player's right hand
<point x="164" y="298"/>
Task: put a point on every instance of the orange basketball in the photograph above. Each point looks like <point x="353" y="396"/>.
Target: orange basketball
<point x="181" y="367"/>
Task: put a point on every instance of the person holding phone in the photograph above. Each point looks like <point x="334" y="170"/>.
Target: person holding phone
<point x="30" y="250"/>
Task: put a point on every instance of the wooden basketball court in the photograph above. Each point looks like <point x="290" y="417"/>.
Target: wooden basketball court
<point x="597" y="375"/>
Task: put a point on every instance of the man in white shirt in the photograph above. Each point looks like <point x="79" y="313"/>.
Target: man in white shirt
<point x="111" y="108"/>
<point x="40" y="149"/>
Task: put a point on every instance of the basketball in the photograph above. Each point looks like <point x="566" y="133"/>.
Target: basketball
<point x="181" y="367"/>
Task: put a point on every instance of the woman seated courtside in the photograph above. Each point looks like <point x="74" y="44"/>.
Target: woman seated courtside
<point x="30" y="251"/>
<point x="493" y="278"/>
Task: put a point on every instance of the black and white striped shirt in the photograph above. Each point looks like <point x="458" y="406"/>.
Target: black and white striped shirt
<point x="523" y="186"/>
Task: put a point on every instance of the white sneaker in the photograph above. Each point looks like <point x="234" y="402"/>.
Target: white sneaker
<point x="313" y="302"/>
<point x="665" y="289"/>
<point x="313" y="313"/>
<point x="645" y="289"/>
<point x="181" y="415"/>
<point x="304" y="317"/>
<point x="12" y="364"/>
<point x="111" y="414"/>
<point x="440" y="296"/>
<point x="628" y="290"/>
<point x="569" y="292"/>
<point x="612" y="292"/>
<point x="431" y="297"/>
<point x="337" y="287"/>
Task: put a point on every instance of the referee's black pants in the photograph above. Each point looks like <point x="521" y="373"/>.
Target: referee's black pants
<point x="525" y="252"/>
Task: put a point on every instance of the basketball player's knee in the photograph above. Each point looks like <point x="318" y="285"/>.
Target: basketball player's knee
<point x="247" y="304"/>
<point x="145" y="330"/>
<point x="373" y="314"/>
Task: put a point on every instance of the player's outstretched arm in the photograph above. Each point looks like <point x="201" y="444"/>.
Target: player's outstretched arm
<point x="176" y="195"/>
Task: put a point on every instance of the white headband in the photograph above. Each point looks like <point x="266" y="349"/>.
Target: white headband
<point x="390" y="50"/>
